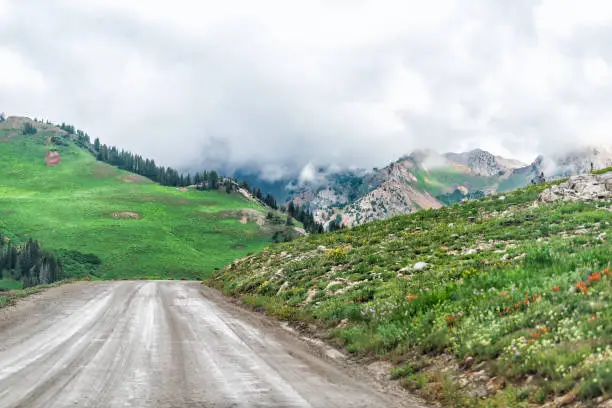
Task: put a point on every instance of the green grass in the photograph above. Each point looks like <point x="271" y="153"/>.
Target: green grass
<point x="501" y="288"/>
<point x="439" y="181"/>
<point x="80" y="204"/>
<point x="9" y="284"/>
<point x="603" y="171"/>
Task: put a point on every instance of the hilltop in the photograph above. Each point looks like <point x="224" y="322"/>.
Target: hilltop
<point x="497" y="302"/>
<point x="108" y="223"/>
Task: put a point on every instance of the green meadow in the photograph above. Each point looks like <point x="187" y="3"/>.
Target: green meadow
<point x="110" y="224"/>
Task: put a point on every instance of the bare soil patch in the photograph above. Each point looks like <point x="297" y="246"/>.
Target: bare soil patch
<point x="135" y="178"/>
<point x="53" y="158"/>
<point x="126" y="215"/>
<point x="103" y="170"/>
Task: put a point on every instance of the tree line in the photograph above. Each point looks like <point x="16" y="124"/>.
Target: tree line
<point x="306" y="217"/>
<point x="29" y="263"/>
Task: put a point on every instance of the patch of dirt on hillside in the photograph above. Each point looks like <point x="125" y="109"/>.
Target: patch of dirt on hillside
<point x="134" y="178"/>
<point x="103" y="170"/>
<point x="16" y="123"/>
<point x="126" y="215"/>
<point x="245" y="216"/>
<point x="53" y="158"/>
<point x="254" y="215"/>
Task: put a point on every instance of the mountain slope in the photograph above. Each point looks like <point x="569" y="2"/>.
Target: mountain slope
<point x="494" y="302"/>
<point x="421" y="180"/>
<point x="426" y="179"/>
<point x="135" y="227"/>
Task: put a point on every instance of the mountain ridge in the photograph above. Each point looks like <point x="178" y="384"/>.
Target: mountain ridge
<point x="426" y="179"/>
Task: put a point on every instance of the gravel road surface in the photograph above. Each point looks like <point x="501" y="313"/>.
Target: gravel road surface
<point x="164" y="344"/>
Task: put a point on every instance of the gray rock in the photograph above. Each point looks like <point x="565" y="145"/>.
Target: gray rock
<point x="421" y="266"/>
<point x="585" y="187"/>
<point x="283" y="288"/>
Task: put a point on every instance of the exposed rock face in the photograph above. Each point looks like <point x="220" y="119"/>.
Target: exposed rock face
<point x="53" y="158"/>
<point x="398" y="195"/>
<point x="482" y="163"/>
<point x="579" y="161"/>
<point x="586" y="187"/>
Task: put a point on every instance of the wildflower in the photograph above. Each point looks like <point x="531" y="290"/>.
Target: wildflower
<point x="592" y="319"/>
<point x="502" y="294"/>
<point x="594" y="277"/>
<point x="411" y="298"/>
<point x="582" y="287"/>
<point x="556" y="288"/>
<point x="607" y="272"/>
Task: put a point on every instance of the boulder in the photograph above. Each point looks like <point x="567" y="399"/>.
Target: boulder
<point x="421" y="266"/>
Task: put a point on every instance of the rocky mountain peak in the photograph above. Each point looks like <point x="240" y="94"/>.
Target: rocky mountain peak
<point x="482" y="163"/>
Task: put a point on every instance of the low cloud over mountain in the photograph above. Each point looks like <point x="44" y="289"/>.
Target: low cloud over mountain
<point x="273" y="86"/>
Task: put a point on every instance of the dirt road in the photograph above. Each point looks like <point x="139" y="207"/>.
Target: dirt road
<point x="162" y="344"/>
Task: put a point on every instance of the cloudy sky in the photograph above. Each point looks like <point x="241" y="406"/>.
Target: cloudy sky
<point x="276" y="84"/>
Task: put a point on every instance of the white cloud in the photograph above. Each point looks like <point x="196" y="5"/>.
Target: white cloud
<point x="276" y="85"/>
<point x="16" y="75"/>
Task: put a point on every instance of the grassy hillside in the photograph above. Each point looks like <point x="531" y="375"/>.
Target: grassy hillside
<point x="131" y="226"/>
<point x="495" y="297"/>
<point x="445" y="180"/>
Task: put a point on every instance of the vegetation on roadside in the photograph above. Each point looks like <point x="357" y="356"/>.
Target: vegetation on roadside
<point x="513" y="297"/>
<point x="27" y="265"/>
<point x="8" y="298"/>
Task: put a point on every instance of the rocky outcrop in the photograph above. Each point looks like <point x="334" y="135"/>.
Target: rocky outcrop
<point x="586" y="187"/>
<point x="482" y="163"/>
<point x="53" y="158"/>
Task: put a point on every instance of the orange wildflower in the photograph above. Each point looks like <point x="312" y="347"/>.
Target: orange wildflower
<point x="581" y="286"/>
<point x="411" y="298"/>
<point x="607" y="272"/>
<point x="592" y="319"/>
<point x="556" y="288"/>
<point x="594" y="277"/>
<point x="504" y="293"/>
